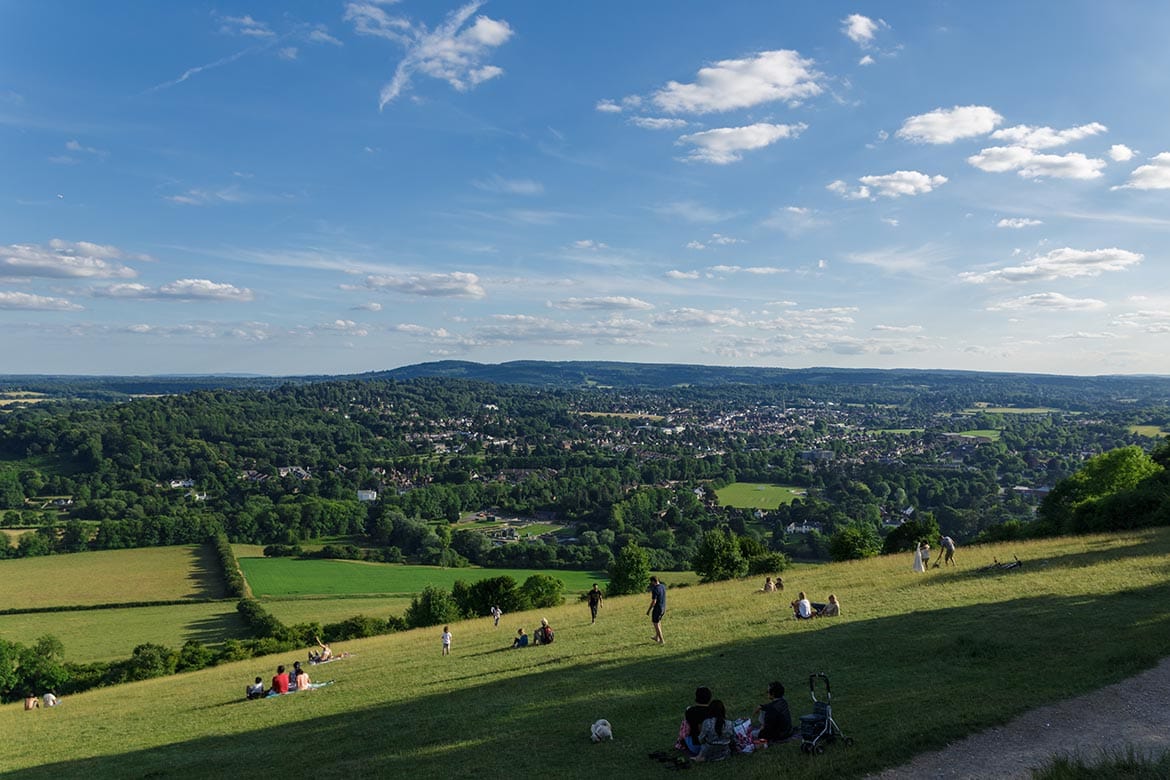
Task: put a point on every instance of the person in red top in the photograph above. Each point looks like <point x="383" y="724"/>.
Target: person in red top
<point x="279" y="681"/>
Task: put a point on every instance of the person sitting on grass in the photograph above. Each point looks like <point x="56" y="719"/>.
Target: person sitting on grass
<point x="256" y="689"/>
<point x="692" y="723"/>
<point x="279" y="682"/>
<point x="544" y="634"/>
<point x="776" y="718"/>
<point x="521" y="639"/>
<point x="832" y="609"/>
<point x="802" y="607"/>
<point x="716" y="735"/>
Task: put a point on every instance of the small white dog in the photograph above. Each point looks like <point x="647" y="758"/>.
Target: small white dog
<point x="601" y="730"/>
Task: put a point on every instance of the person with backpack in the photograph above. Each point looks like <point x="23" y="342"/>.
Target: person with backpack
<point x="544" y="634"/>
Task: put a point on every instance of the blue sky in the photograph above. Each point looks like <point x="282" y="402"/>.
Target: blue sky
<point x="336" y="187"/>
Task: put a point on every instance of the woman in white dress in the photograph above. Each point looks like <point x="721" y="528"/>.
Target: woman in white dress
<point x="918" y="567"/>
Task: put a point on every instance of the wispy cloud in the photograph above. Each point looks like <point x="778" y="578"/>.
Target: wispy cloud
<point x="657" y="123"/>
<point x="691" y="211"/>
<point x="1064" y="263"/>
<point x="613" y="302"/>
<point x="66" y="259"/>
<point x="244" y="25"/>
<point x="1045" y="137"/>
<point x="1017" y="223"/>
<point x="727" y="144"/>
<point x="1048" y="302"/>
<point x="181" y="290"/>
<point x="500" y="184"/>
<point x="455" y="51"/>
<point x="456" y="284"/>
<point x="29" y="302"/>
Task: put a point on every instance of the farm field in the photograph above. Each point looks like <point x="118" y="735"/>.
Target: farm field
<point x="754" y="495"/>
<point x="1010" y="409"/>
<point x="274" y="577"/>
<point x="334" y="610"/>
<point x="112" y="577"/>
<point x="111" y="634"/>
<point x="1151" y="431"/>
<point x="1079" y="614"/>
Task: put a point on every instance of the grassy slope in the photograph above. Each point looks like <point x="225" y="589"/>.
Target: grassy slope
<point x="916" y="662"/>
<point x="112" y="577"/>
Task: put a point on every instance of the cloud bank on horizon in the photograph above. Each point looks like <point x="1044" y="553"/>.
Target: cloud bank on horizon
<point x="356" y="185"/>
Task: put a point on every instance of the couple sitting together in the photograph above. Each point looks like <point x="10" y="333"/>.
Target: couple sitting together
<point x="707" y="734"/>
<point x="803" y="609"/>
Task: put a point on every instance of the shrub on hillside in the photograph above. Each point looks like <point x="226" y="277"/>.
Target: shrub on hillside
<point x="718" y="557"/>
<point x="907" y="536"/>
<point x="630" y="572"/>
<point x="194" y="655"/>
<point x="543" y="590"/>
<point x="356" y="627"/>
<point x="431" y="607"/>
<point x="768" y="563"/>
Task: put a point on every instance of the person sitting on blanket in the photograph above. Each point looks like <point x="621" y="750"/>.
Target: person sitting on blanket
<point x="776" y="719"/>
<point x="692" y="723"/>
<point x="279" y="682"/>
<point x="256" y="689"/>
<point x="716" y="735"/>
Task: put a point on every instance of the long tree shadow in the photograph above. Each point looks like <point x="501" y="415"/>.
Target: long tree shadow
<point x="205" y="575"/>
<point x="211" y="629"/>
<point x="987" y="657"/>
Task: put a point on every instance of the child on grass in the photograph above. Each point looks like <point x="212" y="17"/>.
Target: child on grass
<point x="446" y="640"/>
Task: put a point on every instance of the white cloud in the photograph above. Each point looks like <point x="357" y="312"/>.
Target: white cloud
<point x="889" y="185"/>
<point x="590" y="244"/>
<point x="866" y="60"/>
<point x="244" y="25"/>
<point x="499" y="184"/>
<point x="947" y="125"/>
<point x="321" y="35"/>
<point x="201" y="197"/>
<point x="288" y="53"/>
<point x="891" y="221"/>
<point x="29" y="302"/>
<point x="1001" y="159"/>
<point x="1017" y="222"/>
<point x="898" y="328"/>
<point x="66" y="259"/>
<point x="454" y="51"/>
<point x="1146" y="321"/>
<point x="607" y="106"/>
<point x="1153" y="176"/>
<point x="657" y="123"/>
<point x="347" y="327"/>
<point x="1044" y="302"/>
<point x="794" y="220"/>
<point x="697" y="318"/>
<point x="725" y="144"/>
<point x="1045" y="137"/>
<point x="733" y="84"/>
<point x="716" y="239"/>
<point x="181" y="289"/>
<point x="676" y="274"/>
<point x="76" y="146"/>
<point x="1064" y="263"/>
<point x="457" y="284"/>
<point x="692" y="212"/>
<point x="696" y="245"/>
<point x="368" y="307"/>
<point x="614" y="302"/>
<point x="860" y="29"/>
<point x="1120" y="153"/>
<point x="918" y="260"/>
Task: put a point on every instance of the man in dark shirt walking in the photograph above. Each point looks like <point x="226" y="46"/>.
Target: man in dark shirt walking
<point x="594" y="603"/>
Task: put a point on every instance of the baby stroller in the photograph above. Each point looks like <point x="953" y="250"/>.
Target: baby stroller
<point x="819" y="727"/>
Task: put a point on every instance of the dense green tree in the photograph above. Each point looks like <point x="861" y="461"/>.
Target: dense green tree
<point x="543" y="590"/>
<point x="432" y="607"/>
<point x="718" y="557"/>
<point x="860" y="540"/>
<point x="630" y="571"/>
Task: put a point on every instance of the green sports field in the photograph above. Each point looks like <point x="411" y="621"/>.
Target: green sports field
<point x="754" y="495"/>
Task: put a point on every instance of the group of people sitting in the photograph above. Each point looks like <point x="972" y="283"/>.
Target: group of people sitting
<point x="771" y="586"/>
<point x="282" y="682"/>
<point x="803" y="609"/>
<point x="708" y="734"/>
<point x="543" y="636"/>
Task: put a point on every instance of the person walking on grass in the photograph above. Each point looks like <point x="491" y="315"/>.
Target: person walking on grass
<point x="594" y="603"/>
<point x="948" y="545"/>
<point x="446" y="640"/>
<point x="657" y="608"/>
<point x="496" y="614"/>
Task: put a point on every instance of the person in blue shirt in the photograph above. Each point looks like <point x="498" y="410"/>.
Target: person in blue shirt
<point x="521" y="639"/>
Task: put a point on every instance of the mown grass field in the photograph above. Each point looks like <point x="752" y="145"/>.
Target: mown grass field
<point x="335" y="610"/>
<point x="111" y="634"/>
<point x="1150" y="431"/>
<point x="277" y="577"/>
<point x="916" y="662"/>
<point x="112" y="577"/>
<point x="987" y="433"/>
<point x="754" y="495"/>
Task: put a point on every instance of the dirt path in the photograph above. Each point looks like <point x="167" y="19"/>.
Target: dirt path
<point x="1134" y="712"/>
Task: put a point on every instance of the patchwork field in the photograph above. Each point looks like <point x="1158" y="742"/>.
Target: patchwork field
<point x="110" y="634"/>
<point x="1079" y="614"/>
<point x="754" y="495"/>
<point x="112" y="577"/>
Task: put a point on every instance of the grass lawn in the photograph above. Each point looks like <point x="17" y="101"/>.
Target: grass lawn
<point x="110" y="634"/>
<point x="1152" y="431"/>
<point x="277" y="577"/>
<point x="335" y="610"/>
<point x="753" y="495"/>
<point x="987" y="433"/>
<point x="112" y="577"/>
<point x="1081" y="613"/>
<point x="1010" y="409"/>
